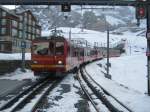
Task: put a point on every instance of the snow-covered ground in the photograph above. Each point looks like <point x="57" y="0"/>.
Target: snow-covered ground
<point x="67" y="101"/>
<point x="132" y="97"/>
<point x="129" y="72"/>
<point x="19" y="75"/>
<point x="14" y="56"/>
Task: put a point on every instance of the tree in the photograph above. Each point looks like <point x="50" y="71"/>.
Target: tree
<point x="89" y="19"/>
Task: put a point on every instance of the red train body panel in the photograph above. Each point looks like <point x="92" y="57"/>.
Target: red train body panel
<point x="58" y="55"/>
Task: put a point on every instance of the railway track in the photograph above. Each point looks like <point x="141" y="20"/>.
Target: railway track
<point x="29" y="99"/>
<point x="99" y="98"/>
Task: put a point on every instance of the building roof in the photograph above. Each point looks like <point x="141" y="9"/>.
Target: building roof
<point x="11" y="12"/>
<point x="27" y="11"/>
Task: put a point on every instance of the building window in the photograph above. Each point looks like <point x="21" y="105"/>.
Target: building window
<point x="26" y="35"/>
<point x="37" y="36"/>
<point x="3" y="31"/>
<point x="14" y="42"/>
<point x="37" y="31"/>
<point x="33" y="37"/>
<point x="30" y="22"/>
<point x="3" y="21"/>
<point x="20" y="26"/>
<point x="25" y="15"/>
<point x="29" y="29"/>
<point x="20" y="34"/>
<point x="26" y="28"/>
<point x="33" y="30"/>
<point x="21" y="18"/>
<point x="18" y="43"/>
<point x="33" y="23"/>
<point x="29" y="36"/>
<point x="25" y="19"/>
<point x="3" y="13"/>
<point x="14" y="23"/>
<point x="14" y="32"/>
<point x="30" y="16"/>
<point x="0" y="12"/>
<point x="28" y="45"/>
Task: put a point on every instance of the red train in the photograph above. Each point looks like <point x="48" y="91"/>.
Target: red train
<point x="59" y="55"/>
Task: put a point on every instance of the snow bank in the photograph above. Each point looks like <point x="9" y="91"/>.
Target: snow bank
<point x="19" y="75"/>
<point x="14" y="56"/>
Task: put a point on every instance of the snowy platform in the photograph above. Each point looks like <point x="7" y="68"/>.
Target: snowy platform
<point x="13" y="83"/>
<point x="10" y="82"/>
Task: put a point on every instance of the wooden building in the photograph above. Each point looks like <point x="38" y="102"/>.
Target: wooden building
<point x="12" y="26"/>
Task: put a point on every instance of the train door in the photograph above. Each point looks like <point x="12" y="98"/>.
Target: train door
<point x="49" y="59"/>
<point x="60" y="53"/>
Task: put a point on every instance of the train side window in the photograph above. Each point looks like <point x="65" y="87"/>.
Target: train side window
<point x="87" y="52"/>
<point x="75" y="53"/>
<point x="82" y="53"/>
<point x="68" y="51"/>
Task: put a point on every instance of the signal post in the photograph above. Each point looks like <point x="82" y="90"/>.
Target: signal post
<point x="148" y="47"/>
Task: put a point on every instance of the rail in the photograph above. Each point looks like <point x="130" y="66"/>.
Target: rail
<point x="35" y="93"/>
<point x="101" y="93"/>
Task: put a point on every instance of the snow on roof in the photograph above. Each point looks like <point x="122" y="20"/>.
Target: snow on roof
<point x="9" y="6"/>
<point x="45" y="33"/>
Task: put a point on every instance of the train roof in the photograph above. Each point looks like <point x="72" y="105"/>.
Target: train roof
<point x="49" y="38"/>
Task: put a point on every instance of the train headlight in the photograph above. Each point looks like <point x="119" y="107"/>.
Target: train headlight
<point x="60" y="62"/>
<point x="35" y="62"/>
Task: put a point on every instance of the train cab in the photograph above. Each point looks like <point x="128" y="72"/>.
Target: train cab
<point x="49" y="55"/>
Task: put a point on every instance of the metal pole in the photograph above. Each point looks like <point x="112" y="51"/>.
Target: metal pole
<point x="23" y="45"/>
<point x="82" y="26"/>
<point x="107" y="50"/>
<point x="148" y="47"/>
<point x="70" y="41"/>
<point x="130" y="49"/>
<point x="107" y="28"/>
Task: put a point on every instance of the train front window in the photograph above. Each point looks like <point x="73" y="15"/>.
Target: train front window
<point x="40" y="48"/>
<point x="59" y="49"/>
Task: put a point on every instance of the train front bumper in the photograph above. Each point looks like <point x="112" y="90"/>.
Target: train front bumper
<point x="48" y="68"/>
